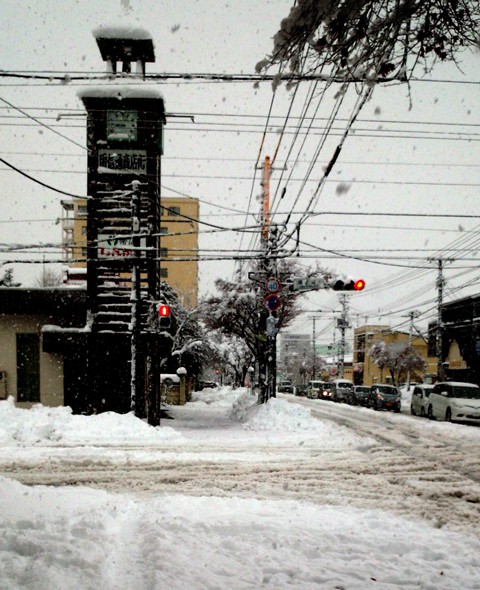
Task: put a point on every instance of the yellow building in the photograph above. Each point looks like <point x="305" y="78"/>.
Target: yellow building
<point x="179" y="247"/>
<point x="366" y="372"/>
<point x="178" y="242"/>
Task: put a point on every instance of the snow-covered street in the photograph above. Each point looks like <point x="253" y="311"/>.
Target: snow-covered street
<point x="294" y="494"/>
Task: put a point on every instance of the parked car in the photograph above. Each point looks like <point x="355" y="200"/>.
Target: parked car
<point x="358" y="396"/>
<point x="419" y="403"/>
<point x="301" y="390"/>
<point x="207" y="385"/>
<point x="340" y="389"/>
<point x="384" y="397"/>
<point x="286" y="387"/>
<point x="455" y="402"/>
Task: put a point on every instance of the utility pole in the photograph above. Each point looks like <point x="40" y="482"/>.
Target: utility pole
<point x="440" y="285"/>
<point x="342" y="324"/>
<point x="267" y="328"/>
<point x="411" y="315"/>
<point x="314" y="348"/>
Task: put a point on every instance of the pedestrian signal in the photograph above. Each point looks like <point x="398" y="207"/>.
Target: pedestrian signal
<point x="164" y="315"/>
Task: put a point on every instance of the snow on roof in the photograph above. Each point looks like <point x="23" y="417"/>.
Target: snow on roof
<point x="169" y="376"/>
<point x="131" y="88"/>
<point x="122" y="32"/>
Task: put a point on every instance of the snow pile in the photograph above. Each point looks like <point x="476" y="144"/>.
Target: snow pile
<point x="277" y="415"/>
<point x="43" y="425"/>
<point x="220" y="396"/>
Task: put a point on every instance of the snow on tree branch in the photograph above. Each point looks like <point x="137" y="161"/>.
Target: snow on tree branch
<point x="373" y="39"/>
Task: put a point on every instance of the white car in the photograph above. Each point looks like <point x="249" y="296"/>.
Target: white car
<point x="455" y="402"/>
<point x="419" y="403"/>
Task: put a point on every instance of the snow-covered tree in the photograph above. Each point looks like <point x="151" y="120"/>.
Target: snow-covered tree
<point x="7" y="279"/>
<point x="184" y="343"/>
<point x="231" y="353"/>
<point x="367" y="40"/>
<point x="238" y="308"/>
<point x="397" y="359"/>
<point x="48" y="278"/>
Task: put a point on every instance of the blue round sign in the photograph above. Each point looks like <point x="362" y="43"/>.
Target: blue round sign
<point x="272" y="302"/>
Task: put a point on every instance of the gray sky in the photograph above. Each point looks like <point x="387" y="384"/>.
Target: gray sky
<point x="416" y="153"/>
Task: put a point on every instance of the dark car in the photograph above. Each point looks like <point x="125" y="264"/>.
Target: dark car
<point x="359" y="395"/>
<point x="301" y="390"/>
<point x="206" y="385"/>
<point x="384" y="397"/>
<point x="341" y="389"/>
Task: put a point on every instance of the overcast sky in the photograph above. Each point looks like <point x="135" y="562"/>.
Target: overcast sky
<point x="414" y="150"/>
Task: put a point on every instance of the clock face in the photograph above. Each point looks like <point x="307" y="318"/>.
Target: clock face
<point x="121" y="125"/>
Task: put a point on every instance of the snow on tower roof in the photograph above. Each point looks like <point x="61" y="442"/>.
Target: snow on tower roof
<point x="127" y="89"/>
<point x="122" y="32"/>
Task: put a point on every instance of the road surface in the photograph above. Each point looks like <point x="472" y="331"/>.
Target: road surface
<point x="400" y="463"/>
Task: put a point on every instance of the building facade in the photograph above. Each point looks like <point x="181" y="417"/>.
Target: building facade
<point x="460" y="339"/>
<point x="42" y="345"/>
<point x="178" y="242"/>
<point x="366" y="372"/>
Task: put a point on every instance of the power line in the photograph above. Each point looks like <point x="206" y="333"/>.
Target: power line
<point x="95" y="77"/>
<point x="48" y="186"/>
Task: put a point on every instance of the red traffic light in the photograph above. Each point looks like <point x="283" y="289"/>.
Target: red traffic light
<point x="164" y="311"/>
<point x="348" y="285"/>
<point x="359" y="285"/>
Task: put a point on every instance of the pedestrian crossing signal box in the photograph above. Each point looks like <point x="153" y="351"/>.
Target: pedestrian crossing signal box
<point x="164" y="315"/>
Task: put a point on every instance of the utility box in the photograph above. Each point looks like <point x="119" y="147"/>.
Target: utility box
<point x="3" y="385"/>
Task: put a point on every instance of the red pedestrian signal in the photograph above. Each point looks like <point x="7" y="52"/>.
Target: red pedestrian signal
<point x="164" y="315"/>
<point x="164" y="310"/>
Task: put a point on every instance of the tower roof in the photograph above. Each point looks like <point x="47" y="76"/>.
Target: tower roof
<point x="125" y="44"/>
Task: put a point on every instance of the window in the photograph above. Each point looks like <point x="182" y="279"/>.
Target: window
<point x="163" y="273"/>
<point x="163" y="252"/>
<point x="361" y="348"/>
<point x="173" y="211"/>
<point x="164" y="229"/>
<point x="84" y="230"/>
<point x="28" y="367"/>
<point x="82" y="211"/>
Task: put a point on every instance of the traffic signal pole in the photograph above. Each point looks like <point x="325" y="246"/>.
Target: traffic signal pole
<point x="342" y="324"/>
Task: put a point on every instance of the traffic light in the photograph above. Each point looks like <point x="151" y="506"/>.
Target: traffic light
<point x="164" y="315"/>
<point x="348" y="285"/>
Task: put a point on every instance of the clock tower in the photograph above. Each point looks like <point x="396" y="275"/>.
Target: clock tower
<point x="125" y="122"/>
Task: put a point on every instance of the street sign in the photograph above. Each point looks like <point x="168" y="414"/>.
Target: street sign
<point x="272" y="302"/>
<point x="118" y="247"/>
<point x="308" y="284"/>
<point x="273" y="285"/>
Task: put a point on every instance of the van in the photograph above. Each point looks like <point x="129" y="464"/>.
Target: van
<point x="455" y="402"/>
<point x="341" y="390"/>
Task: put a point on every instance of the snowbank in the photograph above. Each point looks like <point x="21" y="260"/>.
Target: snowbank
<point x="43" y="425"/>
